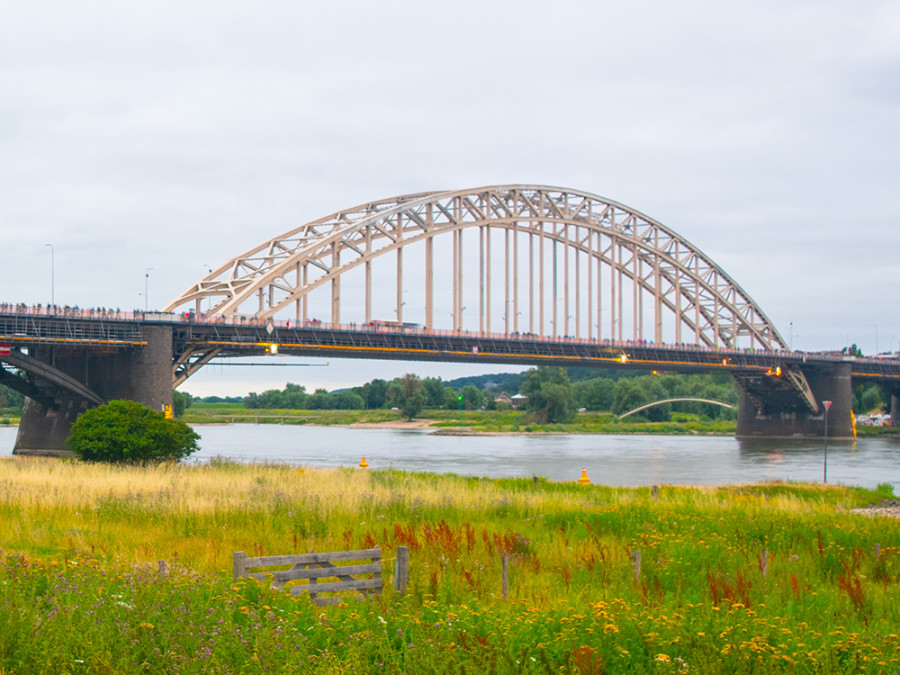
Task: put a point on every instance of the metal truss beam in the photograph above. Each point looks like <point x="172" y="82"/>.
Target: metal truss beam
<point x="665" y="273"/>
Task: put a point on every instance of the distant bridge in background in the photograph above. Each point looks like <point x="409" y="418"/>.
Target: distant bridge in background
<point x="508" y="274"/>
<point x="674" y="400"/>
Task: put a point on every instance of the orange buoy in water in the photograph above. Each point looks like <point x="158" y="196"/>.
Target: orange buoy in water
<point x="584" y="480"/>
<point x="364" y="463"/>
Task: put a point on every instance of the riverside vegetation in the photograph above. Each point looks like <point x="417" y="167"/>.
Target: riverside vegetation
<point x="488" y="421"/>
<point x="743" y="579"/>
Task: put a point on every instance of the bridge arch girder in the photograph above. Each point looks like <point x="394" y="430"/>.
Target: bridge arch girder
<point x="657" y="262"/>
<point x="44" y="382"/>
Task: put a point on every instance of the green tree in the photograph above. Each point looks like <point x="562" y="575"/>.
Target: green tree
<point x="408" y="394"/>
<point x="595" y="394"/>
<point x="374" y="394"/>
<point x="10" y="398"/>
<point x="271" y="398"/>
<point x="550" y="396"/>
<point x="870" y="397"/>
<point x="127" y="432"/>
<point x="348" y="400"/>
<point x="320" y="399"/>
<point x="450" y="400"/>
<point x="628" y="396"/>
<point x="435" y="396"/>
<point x="655" y="391"/>
<point x="472" y="397"/>
<point x="294" y="396"/>
<point x="181" y="402"/>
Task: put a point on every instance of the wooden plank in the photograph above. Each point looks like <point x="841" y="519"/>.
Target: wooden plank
<point x="401" y="569"/>
<point x="356" y="585"/>
<point x="319" y="572"/>
<point x="313" y="558"/>
<point x="504" y="588"/>
<point x="239" y="564"/>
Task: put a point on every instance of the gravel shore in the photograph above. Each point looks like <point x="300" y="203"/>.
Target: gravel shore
<point x="889" y="509"/>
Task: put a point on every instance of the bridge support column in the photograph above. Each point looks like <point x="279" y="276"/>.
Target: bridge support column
<point x="779" y="413"/>
<point x="895" y="409"/>
<point x="142" y="374"/>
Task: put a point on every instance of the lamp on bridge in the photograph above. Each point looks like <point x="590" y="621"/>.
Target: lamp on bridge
<point x="52" y="276"/>
<point x="146" y="288"/>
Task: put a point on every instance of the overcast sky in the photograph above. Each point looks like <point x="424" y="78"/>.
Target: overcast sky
<point x="173" y="136"/>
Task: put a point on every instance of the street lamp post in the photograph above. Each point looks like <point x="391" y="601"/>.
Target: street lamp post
<point x="208" y="296"/>
<point x="827" y="405"/>
<point x="52" y="275"/>
<point x="147" y="289"/>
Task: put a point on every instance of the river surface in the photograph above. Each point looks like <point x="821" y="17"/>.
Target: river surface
<point x="628" y="460"/>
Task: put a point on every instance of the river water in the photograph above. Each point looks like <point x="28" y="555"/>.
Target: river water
<point x="628" y="460"/>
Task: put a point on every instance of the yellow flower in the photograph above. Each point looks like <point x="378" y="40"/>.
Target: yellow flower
<point x="663" y="658"/>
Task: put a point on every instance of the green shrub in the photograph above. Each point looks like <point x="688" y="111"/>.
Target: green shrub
<point x="126" y="432"/>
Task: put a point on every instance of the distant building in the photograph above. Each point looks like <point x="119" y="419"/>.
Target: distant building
<point x="503" y="398"/>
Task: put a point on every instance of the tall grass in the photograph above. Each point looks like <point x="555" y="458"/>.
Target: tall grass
<point x="759" y="578"/>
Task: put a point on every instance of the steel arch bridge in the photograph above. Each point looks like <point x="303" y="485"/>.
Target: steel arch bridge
<point x="571" y="262"/>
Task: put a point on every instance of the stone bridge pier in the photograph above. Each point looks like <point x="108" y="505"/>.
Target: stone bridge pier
<point x="140" y="374"/>
<point x="895" y="408"/>
<point x="779" y="412"/>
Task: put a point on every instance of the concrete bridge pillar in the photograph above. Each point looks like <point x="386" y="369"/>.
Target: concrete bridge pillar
<point x="784" y="415"/>
<point x="142" y="374"/>
<point x="895" y="409"/>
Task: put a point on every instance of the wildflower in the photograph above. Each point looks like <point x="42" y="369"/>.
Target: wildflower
<point x="663" y="658"/>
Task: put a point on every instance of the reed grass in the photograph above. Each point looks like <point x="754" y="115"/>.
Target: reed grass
<point x="756" y="578"/>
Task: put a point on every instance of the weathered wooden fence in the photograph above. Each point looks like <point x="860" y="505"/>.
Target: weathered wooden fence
<point x="317" y="573"/>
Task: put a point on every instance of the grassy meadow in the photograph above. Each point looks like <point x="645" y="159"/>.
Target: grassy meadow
<point x="781" y="578"/>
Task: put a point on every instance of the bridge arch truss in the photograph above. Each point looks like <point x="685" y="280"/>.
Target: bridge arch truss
<point x="513" y="259"/>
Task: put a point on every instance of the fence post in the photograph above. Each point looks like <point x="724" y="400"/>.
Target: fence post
<point x="505" y="585"/>
<point x="877" y="551"/>
<point x="654" y="493"/>
<point x="636" y="559"/>
<point x="239" y="565"/>
<point x="162" y="568"/>
<point x="401" y="569"/>
<point x="764" y="563"/>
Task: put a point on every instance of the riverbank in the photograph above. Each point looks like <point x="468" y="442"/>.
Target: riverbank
<point x="481" y="421"/>
<point x="760" y="578"/>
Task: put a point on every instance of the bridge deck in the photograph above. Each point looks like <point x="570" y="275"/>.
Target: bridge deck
<point x="247" y="337"/>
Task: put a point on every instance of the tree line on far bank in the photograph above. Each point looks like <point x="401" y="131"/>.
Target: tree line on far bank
<point x="552" y="396"/>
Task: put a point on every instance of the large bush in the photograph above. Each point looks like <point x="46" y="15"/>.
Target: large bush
<point x="130" y="433"/>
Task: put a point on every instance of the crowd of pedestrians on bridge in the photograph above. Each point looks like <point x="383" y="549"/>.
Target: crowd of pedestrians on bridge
<point x="118" y="314"/>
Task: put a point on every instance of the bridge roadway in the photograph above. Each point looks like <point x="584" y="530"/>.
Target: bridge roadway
<point x="74" y="341"/>
<point x="103" y="331"/>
